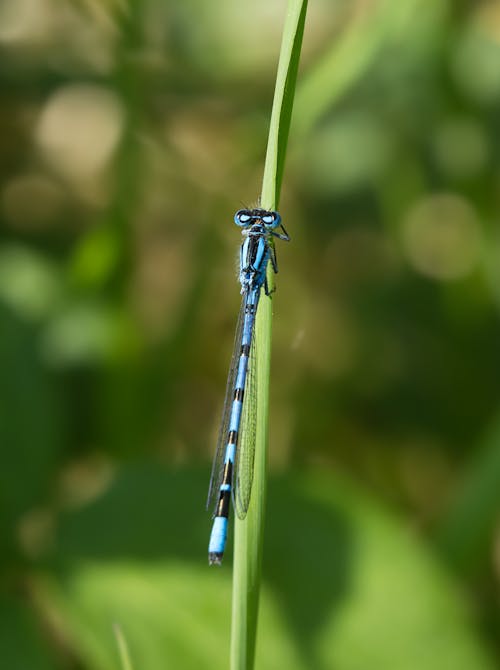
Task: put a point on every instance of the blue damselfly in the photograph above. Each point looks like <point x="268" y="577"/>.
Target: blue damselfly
<point x="232" y="470"/>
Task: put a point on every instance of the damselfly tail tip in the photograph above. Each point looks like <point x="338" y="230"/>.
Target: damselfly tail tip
<point x="215" y="558"/>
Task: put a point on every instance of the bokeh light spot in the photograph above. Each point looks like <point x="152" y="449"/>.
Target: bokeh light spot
<point x="29" y="283"/>
<point x="79" y="129"/>
<point x="349" y="153"/>
<point x="460" y="147"/>
<point x="441" y="236"/>
<point x="25" y="21"/>
<point x="476" y="66"/>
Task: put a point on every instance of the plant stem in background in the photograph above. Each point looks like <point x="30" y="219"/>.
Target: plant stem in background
<point x="249" y="532"/>
<point x="126" y="663"/>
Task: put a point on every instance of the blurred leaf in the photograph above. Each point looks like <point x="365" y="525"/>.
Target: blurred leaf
<point x="31" y="423"/>
<point x="21" y="643"/>
<point x="96" y="257"/>
<point x="355" y="49"/>
<point x="345" y="585"/>
<point x="467" y="531"/>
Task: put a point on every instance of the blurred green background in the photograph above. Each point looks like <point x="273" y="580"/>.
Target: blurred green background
<point x="130" y="132"/>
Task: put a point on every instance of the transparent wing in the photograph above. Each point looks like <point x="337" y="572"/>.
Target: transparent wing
<point x="245" y="453"/>
<point x="218" y="464"/>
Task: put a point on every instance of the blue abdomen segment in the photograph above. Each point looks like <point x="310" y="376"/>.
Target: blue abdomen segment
<point x="233" y="424"/>
<point x="217" y="542"/>
<point x="229" y="458"/>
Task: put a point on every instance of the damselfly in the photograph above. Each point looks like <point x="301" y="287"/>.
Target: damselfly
<point x="232" y="470"/>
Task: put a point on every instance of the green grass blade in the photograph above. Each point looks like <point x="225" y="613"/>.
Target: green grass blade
<point x="125" y="660"/>
<point x="284" y="94"/>
<point x="249" y="532"/>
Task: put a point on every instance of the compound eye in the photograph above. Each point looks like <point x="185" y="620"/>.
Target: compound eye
<point x="271" y="219"/>
<point x="242" y="217"/>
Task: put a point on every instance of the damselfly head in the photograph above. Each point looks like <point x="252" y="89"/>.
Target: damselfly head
<point x="247" y="217"/>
